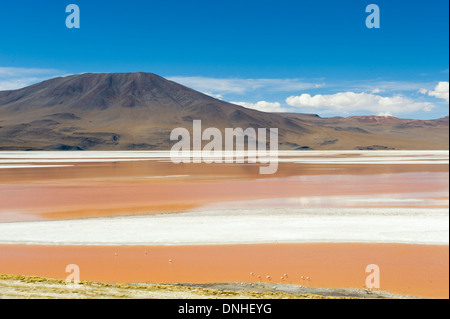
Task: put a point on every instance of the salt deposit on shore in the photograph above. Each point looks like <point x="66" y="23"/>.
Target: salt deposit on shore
<point x="249" y="226"/>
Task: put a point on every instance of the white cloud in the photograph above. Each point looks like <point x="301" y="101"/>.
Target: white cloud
<point x="385" y="114"/>
<point x="377" y="90"/>
<point x="441" y="91"/>
<point x="241" y="86"/>
<point x="14" y="84"/>
<point x="423" y="91"/>
<point x="378" y="86"/>
<point x="12" y="78"/>
<point x="23" y="72"/>
<point x="262" y="106"/>
<point x="216" y="96"/>
<point x="347" y="102"/>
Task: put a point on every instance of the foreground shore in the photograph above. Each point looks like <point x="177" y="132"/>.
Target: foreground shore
<point x="27" y="287"/>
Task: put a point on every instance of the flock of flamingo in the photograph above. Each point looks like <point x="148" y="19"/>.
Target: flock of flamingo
<point x="252" y="274"/>
<point x="283" y="278"/>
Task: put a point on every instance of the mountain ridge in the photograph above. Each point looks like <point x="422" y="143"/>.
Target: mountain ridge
<point x="137" y="111"/>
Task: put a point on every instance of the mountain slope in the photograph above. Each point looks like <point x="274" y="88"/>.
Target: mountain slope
<point x="379" y="132"/>
<point x="139" y="110"/>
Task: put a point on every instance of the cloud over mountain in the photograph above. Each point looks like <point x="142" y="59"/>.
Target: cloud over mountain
<point x="441" y="91"/>
<point x="241" y="86"/>
<point x="12" y="78"/>
<point x="262" y="106"/>
<point x="348" y="102"/>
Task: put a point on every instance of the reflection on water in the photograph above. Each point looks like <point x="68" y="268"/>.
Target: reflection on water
<point x="92" y="184"/>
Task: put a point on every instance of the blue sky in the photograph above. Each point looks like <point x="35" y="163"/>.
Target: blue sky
<point x="285" y="55"/>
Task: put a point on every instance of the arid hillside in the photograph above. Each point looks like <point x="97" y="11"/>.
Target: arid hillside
<point x="137" y="111"/>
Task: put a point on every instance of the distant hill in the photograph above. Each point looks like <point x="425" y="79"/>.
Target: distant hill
<point x="137" y="111"/>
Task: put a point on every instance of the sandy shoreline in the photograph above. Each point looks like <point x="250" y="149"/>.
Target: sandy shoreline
<point x="29" y="287"/>
<point x="415" y="270"/>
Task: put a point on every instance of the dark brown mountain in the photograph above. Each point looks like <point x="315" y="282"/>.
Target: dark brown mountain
<point x="137" y="111"/>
